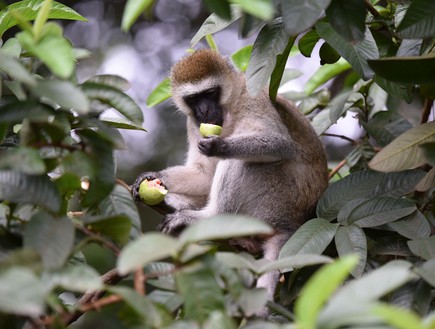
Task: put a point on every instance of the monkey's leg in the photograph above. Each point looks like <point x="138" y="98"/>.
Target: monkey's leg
<point x="271" y="249"/>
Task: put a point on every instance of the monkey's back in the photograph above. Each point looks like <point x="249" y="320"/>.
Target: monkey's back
<point x="283" y="193"/>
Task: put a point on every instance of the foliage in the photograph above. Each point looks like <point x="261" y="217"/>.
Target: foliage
<point x="59" y="192"/>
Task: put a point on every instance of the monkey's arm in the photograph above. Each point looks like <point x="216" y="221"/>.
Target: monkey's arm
<point x="188" y="186"/>
<point x="254" y="147"/>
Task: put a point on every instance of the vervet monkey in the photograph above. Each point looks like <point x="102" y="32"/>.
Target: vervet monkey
<point x="267" y="163"/>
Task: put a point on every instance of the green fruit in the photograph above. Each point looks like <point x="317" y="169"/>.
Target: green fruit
<point x="152" y="192"/>
<point x="207" y="129"/>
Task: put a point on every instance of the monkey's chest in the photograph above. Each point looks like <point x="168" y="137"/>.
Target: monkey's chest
<point x="241" y="187"/>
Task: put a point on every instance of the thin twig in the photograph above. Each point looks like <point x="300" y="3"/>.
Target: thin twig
<point x="139" y="281"/>
<point x="111" y="277"/>
<point x="110" y="245"/>
<point x="122" y="183"/>
<point x="371" y="9"/>
<point x="100" y="303"/>
<point x="350" y="140"/>
<point x="337" y="168"/>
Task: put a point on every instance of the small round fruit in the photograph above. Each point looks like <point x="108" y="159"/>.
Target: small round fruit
<point x="152" y="192"/>
<point x="207" y="129"/>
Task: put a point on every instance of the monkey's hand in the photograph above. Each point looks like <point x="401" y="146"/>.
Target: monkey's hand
<point x="211" y="145"/>
<point x="173" y="224"/>
<point x="144" y="176"/>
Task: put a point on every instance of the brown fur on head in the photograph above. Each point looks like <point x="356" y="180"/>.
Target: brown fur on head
<point x="200" y="65"/>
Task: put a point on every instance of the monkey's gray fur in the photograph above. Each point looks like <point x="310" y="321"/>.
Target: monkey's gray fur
<point x="268" y="162"/>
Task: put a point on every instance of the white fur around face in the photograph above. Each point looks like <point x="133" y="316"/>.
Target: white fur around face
<point x="191" y="88"/>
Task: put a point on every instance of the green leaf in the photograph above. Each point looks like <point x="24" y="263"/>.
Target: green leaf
<point x="414" y="226"/>
<point x="277" y="73"/>
<point x="201" y="292"/>
<point x="327" y="54"/>
<point x="307" y="42"/>
<point x="219" y="320"/>
<point x="18" y="111"/>
<point x="400" y="90"/>
<point x="100" y="152"/>
<point x="271" y="41"/>
<point x="324" y="74"/>
<point x="418" y="68"/>
<point x="52" y="238"/>
<point x="409" y="47"/>
<point x="354" y="300"/>
<point x="223" y="227"/>
<point x="170" y="300"/>
<point x="28" y="9"/>
<point x="141" y="305"/>
<point x="11" y="47"/>
<point x="144" y="250"/>
<point x="110" y="80"/>
<point x="356" y="54"/>
<point x="424" y="248"/>
<point x="319" y="289"/>
<point x="405" y="151"/>
<point x="337" y="106"/>
<point x="311" y="238"/>
<point x="25" y="293"/>
<point x="241" y="58"/>
<point x="399" y="318"/>
<point x="321" y="122"/>
<point x="115" y="98"/>
<point x="23" y="159"/>
<point x="221" y="8"/>
<point x="117" y="227"/>
<point x="301" y="15"/>
<point x="252" y="301"/>
<point x="214" y="24"/>
<point x="53" y="50"/>
<point x="132" y="10"/>
<point x="64" y="93"/>
<point x="384" y="126"/>
<point x="365" y="184"/>
<point x="262" y="9"/>
<point x="15" y="69"/>
<point x="121" y="123"/>
<point x="78" y="278"/>
<point x="427" y="182"/>
<point x="427" y="271"/>
<point x="419" y="20"/>
<point x="286" y="264"/>
<point x="351" y="240"/>
<point x="41" y="19"/>
<point x="347" y="17"/>
<point x="161" y="93"/>
<point x="120" y="202"/>
<point x="37" y="190"/>
<point x="380" y="210"/>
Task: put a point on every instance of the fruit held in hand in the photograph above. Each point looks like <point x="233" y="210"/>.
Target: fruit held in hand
<point x="152" y="192"/>
<point x="207" y="129"/>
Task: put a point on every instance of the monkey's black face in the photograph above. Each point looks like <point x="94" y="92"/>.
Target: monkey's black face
<point x="205" y="106"/>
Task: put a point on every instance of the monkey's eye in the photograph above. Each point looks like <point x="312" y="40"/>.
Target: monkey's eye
<point x="213" y="92"/>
